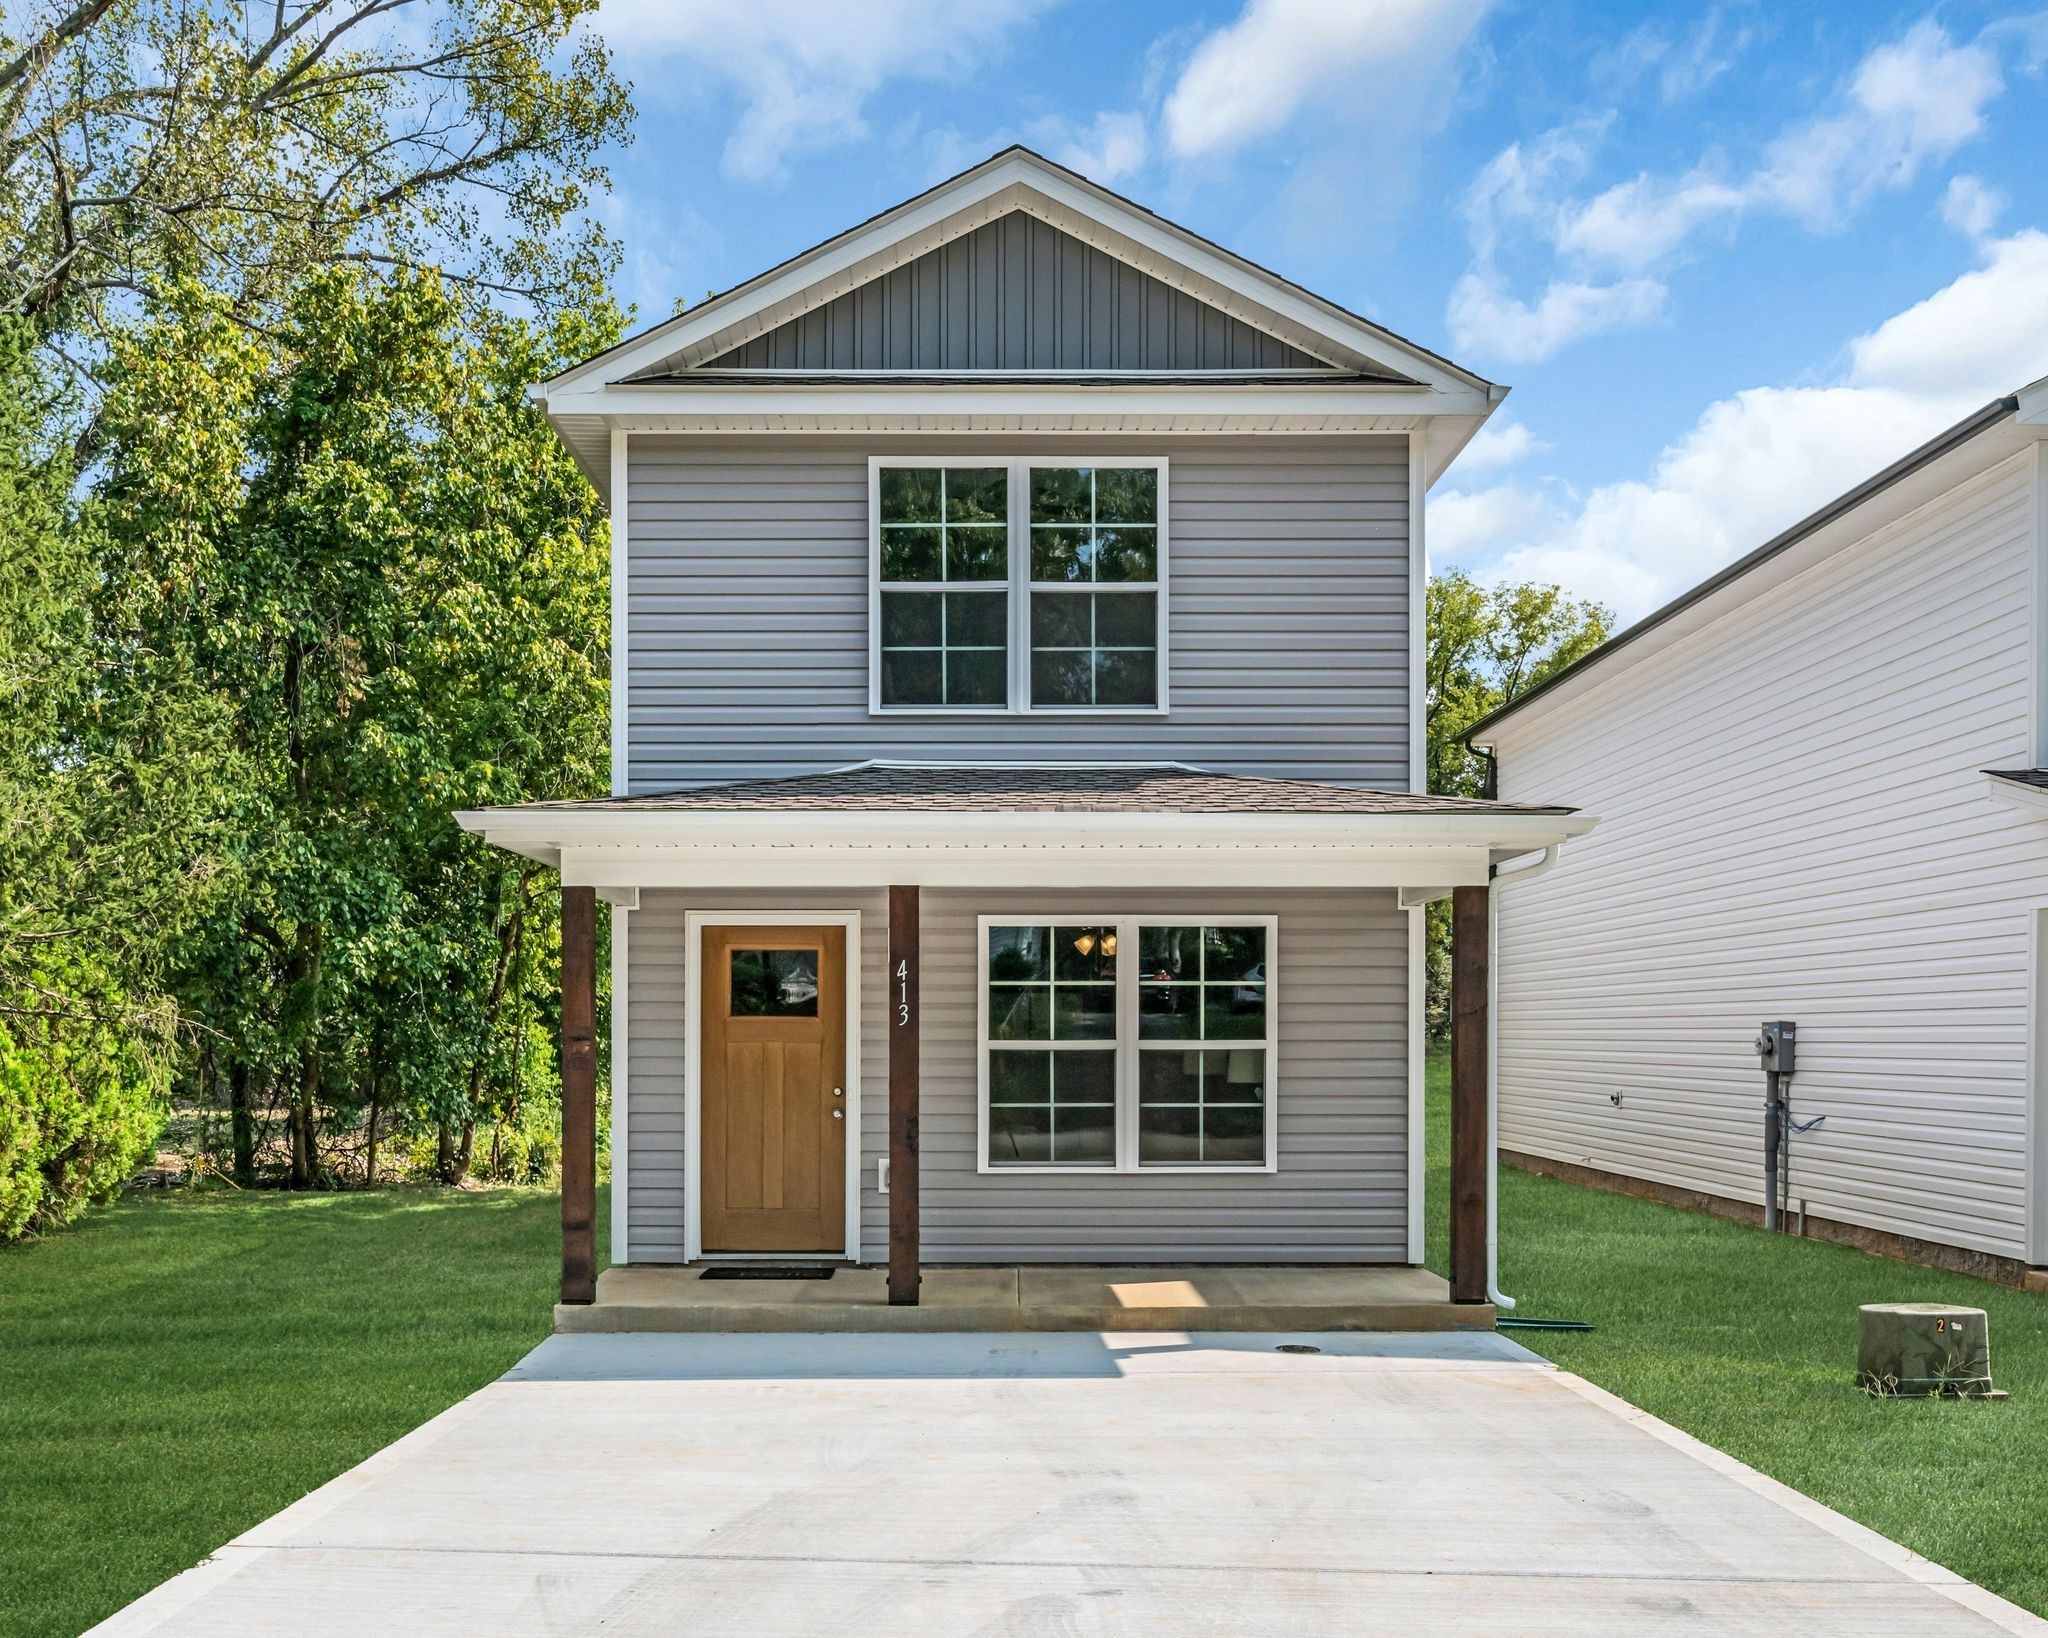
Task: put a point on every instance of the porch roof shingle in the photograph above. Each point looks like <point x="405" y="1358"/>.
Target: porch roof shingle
<point x="883" y="787"/>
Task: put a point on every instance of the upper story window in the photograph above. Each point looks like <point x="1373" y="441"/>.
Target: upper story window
<point x="1017" y="586"/>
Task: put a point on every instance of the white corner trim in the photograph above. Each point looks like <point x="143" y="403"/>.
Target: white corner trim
<point x="621" y="1076"/>
<point x="694" y="923"/>
<point x="1418" y="1081"/>
<point x="2025" y="797"/>
<point x="1418" y="624"/>
<point x="621" y="644"/>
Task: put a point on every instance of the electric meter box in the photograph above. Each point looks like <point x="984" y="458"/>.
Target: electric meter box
<point x="1777" y="1041"/>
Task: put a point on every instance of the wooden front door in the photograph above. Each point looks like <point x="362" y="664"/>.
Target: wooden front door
<point x="772" y="1105"/>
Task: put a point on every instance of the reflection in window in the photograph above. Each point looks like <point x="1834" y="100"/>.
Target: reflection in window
<point x="1094" y="586"/>
<point x="1052" y="1046"/>
<point x="945" y="570"/>
<point x="1198" y="1106"/>
<point x="774" y="984"/>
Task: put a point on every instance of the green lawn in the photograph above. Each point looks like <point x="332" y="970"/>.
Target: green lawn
<point x="1748" y="1341"/>
<point x="175" y="1369"/>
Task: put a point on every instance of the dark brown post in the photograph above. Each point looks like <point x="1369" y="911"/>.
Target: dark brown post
<point x="579" y="1094"/>
<point x="903" y="928"/>
<point x="1470" y="1139"/>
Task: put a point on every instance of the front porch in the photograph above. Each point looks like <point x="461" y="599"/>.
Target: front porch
<point x="950" y="930"/>
<point x="1027" y="1298"/>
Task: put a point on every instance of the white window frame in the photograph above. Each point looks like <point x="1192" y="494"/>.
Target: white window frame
<point x="1020" y="585"/>
<point x="1129" y="1047"/>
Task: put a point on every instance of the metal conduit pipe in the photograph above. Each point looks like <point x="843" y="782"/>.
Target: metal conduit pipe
<point x="1501" y="878"/>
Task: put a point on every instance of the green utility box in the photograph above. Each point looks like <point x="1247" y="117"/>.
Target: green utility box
<point x="1917" y="1349"/>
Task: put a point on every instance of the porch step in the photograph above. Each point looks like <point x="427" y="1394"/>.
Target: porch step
<point x="1054" y="1298"/>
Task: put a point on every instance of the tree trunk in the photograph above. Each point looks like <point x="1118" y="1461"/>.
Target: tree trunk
<point x="305" y="1153"/>
<point x="370" y="1159"/>
<point x="242" y="1119"/>
<point x="452" y="1152"/>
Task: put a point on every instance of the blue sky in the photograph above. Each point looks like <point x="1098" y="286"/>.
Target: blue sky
<point x="1731" y="257"/>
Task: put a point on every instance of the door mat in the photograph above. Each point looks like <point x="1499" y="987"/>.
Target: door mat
<point x="741" y="1271"/>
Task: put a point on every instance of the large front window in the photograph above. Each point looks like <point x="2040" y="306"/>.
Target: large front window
<point x="1018" y="586"/>
<point x="1123" y="1043"/>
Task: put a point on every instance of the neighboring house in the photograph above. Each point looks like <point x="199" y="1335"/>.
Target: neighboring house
<point x="1016" y="846"/>
<point x="1821" y="799"/>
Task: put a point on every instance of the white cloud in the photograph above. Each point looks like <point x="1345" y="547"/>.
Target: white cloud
<point x="1972" y="206"/>
<point x="1113" y="146"/>
<point x="1910" y="102"/>
<point x="1251" y="78"/>
<point x="1487" y="320"/>
<point x="1755" y="463"/>
<point x="805" y="69"/>
<point x="1682" y="67"/>
<point x="1503" y="441"/>
<point x="1917" y="98"/>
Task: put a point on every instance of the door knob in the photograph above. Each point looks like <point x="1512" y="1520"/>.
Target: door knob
<point x="839" y="1114"/>
<point x="838" y="1092"/>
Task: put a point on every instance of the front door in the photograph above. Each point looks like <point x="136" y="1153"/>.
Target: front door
<point x="772" y="1104"/>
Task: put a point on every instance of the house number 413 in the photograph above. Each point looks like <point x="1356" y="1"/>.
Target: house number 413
<point x="903" y="994"/>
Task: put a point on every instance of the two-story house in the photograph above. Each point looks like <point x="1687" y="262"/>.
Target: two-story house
<point x="1017" y="842"/>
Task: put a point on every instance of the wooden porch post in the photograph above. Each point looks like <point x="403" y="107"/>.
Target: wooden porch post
<point x="903" y="1071"/>
<point x="1470" y="1139"/>
<point x="579" y="1094"/>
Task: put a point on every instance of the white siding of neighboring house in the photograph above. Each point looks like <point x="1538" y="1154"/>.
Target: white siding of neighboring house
<point x="1793" y="823"/>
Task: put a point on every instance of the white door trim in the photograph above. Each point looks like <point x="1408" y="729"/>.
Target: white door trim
<point x="694" y="923"/>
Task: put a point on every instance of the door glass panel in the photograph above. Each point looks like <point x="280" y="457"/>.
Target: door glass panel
<point x="774" y="984"/>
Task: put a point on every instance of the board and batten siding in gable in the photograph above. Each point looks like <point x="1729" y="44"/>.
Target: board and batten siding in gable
<point x="1793" y="824"/>
<point x="1288" y="612"/>
<point x="1340" y="1194"/>
<point x="1015" y="294"/>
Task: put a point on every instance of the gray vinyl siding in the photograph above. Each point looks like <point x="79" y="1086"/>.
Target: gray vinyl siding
<point x="1339" y="1195"/>
<point x="1288" y="589"/>
<point x="1015" y="294"/>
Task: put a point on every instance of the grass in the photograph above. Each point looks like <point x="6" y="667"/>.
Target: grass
<point x="175" y="1369"/>
<point x="1748" y="1341"/>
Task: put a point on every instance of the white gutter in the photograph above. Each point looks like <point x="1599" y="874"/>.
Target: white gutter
<point x="1500" y="879"/>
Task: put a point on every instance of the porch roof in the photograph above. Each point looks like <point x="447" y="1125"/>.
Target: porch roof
<point x="951" y="823"/>
<point x="1034" y="787"/>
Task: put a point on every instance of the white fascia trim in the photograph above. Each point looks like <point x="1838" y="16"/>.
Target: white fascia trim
<point x="2026" y="797"/>
<point x="1032" y="831"/>
<point x="911" y="406"/>
<point x="1017" y="181"/>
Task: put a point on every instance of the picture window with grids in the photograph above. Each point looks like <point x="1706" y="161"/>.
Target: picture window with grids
<point x="1018" y="586"/>
<point x="1127" y="1044"/>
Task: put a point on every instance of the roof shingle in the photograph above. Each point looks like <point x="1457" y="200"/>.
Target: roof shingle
<point x="882" y="787"/>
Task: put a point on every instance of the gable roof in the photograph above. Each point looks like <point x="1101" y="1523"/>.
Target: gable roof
<point x="698" y="371"/>
<point x="1944" y="460"/>
<point x="1015" y="293"/>
<point x="1017" y="178"/>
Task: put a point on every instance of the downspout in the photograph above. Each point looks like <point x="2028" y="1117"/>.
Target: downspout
<point x="1500" y="879"/>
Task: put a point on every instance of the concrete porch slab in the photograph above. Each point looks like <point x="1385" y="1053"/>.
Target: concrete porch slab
<point x="1051" y="1298"/>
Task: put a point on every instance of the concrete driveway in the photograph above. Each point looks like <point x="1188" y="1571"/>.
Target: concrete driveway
<point x="1055" y="1484"/>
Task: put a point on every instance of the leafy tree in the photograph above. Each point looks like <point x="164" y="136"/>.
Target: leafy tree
<point x="1487" y="645"/>
<point x="243" y="145"/>
<point x="102" y="846"/>
<point x="379" y="558"/>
